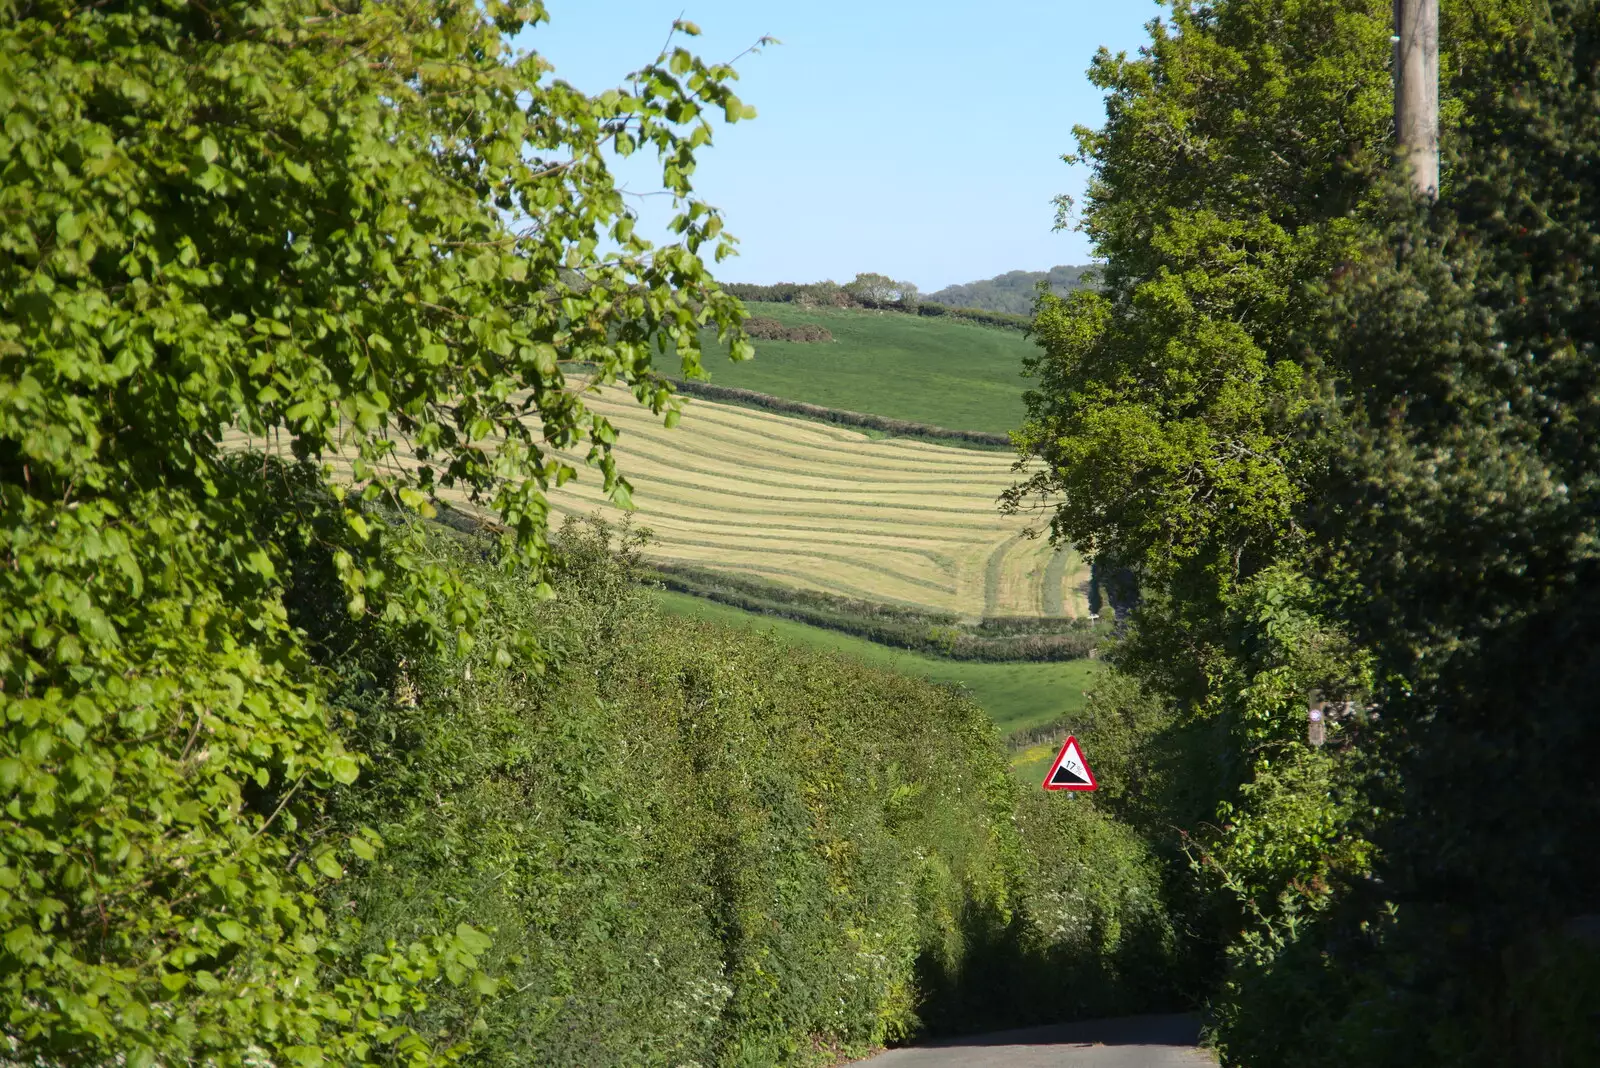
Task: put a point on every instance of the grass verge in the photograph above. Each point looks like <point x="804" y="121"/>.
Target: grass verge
<point x="1016" y="696"/>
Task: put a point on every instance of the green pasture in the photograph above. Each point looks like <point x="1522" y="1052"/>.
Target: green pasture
<point x="1016" y="696"/>
<point x="939" y="371"/>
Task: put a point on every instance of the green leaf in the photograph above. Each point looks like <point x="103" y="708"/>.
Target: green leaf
<point x="472" y="940"/>
<point x="19" y="940"/>
<point x="344" y="769"/>
<point x="328" y="865"/>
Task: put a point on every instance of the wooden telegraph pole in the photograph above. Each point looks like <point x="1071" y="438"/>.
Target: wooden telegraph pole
<point x="1416" y="92"/>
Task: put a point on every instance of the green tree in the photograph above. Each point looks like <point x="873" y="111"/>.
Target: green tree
<point x="881" y="289"/>
<point x="1180" y="417"/>
<point x="1456" y="530"/>
<point x="343" y="227"/>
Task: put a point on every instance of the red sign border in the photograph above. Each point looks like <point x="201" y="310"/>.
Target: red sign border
<point x="1071" y="741"/>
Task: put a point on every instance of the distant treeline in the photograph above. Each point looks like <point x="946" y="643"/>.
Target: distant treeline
<point x="898" y="427"/>
<point x="933" y="633"/>
<point x="831" y="294"/>
<point x="1014" y="291"/>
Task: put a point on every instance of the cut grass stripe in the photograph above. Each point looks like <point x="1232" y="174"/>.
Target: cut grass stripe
<point x="1050" y="600"/>
<point x="991" y="575"/>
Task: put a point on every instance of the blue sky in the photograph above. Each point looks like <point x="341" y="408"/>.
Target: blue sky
<point x="921" y="140"/>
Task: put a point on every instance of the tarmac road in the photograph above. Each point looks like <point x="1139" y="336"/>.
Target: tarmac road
<point x="1128" y="1042"/>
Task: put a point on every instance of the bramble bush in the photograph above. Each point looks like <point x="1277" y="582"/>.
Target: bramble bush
<point x="764" y="329"/>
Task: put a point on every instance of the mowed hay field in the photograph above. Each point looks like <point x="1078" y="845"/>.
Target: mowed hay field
<point x="825" y="508"/>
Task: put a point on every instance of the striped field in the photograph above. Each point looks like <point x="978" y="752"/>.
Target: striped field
<point x="830" y="509"/>
<point x="825" y="508"/>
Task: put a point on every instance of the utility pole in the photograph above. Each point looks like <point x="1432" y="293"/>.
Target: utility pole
<point x="1416" y="92"/>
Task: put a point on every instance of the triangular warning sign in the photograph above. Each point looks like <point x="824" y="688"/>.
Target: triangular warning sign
<point x="1069" y="771"/>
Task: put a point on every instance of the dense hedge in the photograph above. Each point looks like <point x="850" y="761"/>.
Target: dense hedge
<point x="983" y="316"/>
<point x="833" y="295"/>
<point x="933" y="633"/>
<point x="897" y="427"/>
<point x="692" y="844"/>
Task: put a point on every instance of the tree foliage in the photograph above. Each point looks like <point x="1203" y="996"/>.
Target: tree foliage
<point x="873" y="288"/>
<point x="1458" y="531"/>
<point x="1013" y="292"/>
<point x="1336" y="441"/>
<point x="340" y="226"/>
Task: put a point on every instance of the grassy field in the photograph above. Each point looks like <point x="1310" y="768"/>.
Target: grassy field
<point x="827" y="508"/>
<point x="822" y="507"/>
<point x="939" y="371"/>
<point x="1016" y="696"/>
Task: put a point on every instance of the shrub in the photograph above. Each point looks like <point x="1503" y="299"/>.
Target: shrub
<point x="764" y="329"/>
<point x="693" y="844"/>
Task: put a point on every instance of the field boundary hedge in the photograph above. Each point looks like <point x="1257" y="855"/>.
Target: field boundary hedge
<point x="833" y="295"/>
<point x="840" y="416"/>
<point x="997" y="640"/>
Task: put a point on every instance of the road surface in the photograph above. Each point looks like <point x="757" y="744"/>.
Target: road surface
<point x="1130" y="1042"/>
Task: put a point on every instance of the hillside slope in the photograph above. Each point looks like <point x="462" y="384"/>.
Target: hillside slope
<point x="1012" y="292"/>
<point x="1018" y="697"/>
<point x="826" y="508"/>
<point x="940" y="371"/>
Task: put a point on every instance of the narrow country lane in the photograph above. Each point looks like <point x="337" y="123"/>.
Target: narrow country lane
<point x="1129" y="1042"/>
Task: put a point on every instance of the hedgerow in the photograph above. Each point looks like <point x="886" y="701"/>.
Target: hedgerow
<point x="1000" y="639"/>
<point x="832" y="295"/>
<point x="692" y="844"/>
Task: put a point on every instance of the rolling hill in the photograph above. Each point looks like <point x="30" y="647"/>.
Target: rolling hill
<point x="828" y="508"/>
<point x="1012" y="292"/>
<point x="825" y="508"/>
<point x="939" y="371"/>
